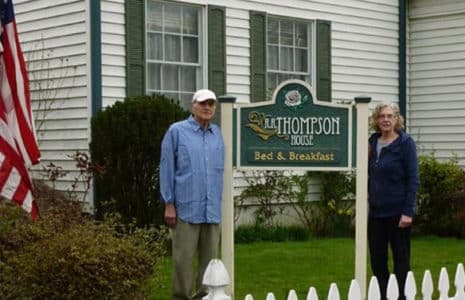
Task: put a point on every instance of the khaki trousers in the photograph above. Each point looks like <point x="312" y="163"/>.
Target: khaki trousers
<point x="187" y="241"/>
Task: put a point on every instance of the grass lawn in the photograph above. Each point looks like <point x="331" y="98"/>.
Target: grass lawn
<point x="278" y="267"/>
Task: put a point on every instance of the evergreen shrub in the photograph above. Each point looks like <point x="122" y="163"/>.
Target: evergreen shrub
<point x="126" y="139"/>
<point x="441" y="198"/>
<point x="277" y="233"/>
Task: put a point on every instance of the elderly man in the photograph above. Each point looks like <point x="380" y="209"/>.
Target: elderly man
<point x="191" y="180"/>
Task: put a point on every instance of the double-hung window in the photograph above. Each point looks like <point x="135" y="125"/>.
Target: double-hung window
<point x="289" y="46"/>
<point x="174" y="47"/>
<point x="283" y="48"/>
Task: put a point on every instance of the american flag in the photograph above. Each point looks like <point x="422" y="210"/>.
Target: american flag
<point x="18" y="144"/>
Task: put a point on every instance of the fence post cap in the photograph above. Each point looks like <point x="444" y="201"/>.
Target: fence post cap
<point x="216" y="274"/>
<point x="362" y="99"/>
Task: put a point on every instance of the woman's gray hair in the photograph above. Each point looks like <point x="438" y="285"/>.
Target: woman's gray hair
<point x="376" y="112"/>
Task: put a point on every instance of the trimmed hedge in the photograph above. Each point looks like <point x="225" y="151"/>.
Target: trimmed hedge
<point x="126" y="139"/>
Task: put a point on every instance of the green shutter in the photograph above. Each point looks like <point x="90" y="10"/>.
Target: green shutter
<point x="216" y="50"/>
<point x="257" y="56"/>
<point x="135" y="47"/>
<point x="323" y="60"/>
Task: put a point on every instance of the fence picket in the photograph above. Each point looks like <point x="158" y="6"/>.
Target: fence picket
<point x="312" y="294"/>
<point x="292" y="295"/>
<point x="270" y="296"/>
<point x="443" y="285"/>
<point x="459" y="283"/>
<point x="248" y="297"/>
<point x="373" y="289"/>
<point x="354" y="291"/>
<point x="333" y="293"/>
<point x="392" y="291"/>
<point x="427" y="286"/>
<point x="410" y="286"/>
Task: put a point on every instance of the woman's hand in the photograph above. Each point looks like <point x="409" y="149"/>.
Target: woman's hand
<point x="405" y="221"/>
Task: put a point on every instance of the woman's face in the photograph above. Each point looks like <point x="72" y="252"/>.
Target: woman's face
<point x="387" y="120"/>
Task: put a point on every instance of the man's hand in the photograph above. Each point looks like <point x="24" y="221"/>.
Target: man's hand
<point x="170" y="215"/>
<point x="405" y="221"/>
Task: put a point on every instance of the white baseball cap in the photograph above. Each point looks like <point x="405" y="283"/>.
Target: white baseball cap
<point x="202" y="95"/>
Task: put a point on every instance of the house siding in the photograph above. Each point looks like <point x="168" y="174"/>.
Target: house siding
<point x="113" y="51"/>
<point x="54" y="39"/>
<point x="436" y="104"/>
<point x="364" y="56"/>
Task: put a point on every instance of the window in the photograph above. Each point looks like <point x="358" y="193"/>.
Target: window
<point x="289" y="51"/>
<point x="174" y="50"/>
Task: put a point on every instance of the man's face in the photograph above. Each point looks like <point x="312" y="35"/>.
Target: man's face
<point x="204" y="111"/>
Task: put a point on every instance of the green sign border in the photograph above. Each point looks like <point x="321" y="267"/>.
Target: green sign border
<point x="309" y="159"/>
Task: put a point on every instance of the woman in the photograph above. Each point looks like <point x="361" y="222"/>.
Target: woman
<point x="392" y="186"/>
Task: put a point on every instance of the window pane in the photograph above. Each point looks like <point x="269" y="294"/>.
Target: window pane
<point x="172" y="48"/>
<point x="172" y="18"/>
<point x="286" y="33"/>
<point x="188" y="79"/>
<point x="190" y="47"/>
<point x="154" y="45"/>
<point x="190" y="20"/>
<point x="284" y="77"/>
<point x="300" y="60"/>
<point x="154" y="16"/>
<point x="153" y="80"/>
<point x="301" y="35"/>
<point x="273" y="31"/>
<point x="286" y="59"/>
<point x="173" y="34"/>
<point x="170" y="78"/>
<point x="186" y="100"/>
<point x="273" y="57"/>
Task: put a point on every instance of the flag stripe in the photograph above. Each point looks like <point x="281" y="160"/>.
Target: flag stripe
<point x="16" y="77"/>
<point x="18" y="143"/>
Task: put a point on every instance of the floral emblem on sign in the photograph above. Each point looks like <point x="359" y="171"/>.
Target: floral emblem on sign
<point x="294" y="100"/>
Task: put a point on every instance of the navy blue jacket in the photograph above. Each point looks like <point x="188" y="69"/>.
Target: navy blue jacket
<point x="393" y="177"/>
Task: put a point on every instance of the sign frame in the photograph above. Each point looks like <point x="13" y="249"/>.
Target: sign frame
<point x="239" y="127"/>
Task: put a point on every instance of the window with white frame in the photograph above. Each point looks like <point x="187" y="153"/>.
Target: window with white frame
<point x="289" y="54"/>
<point x="174" y="50"/>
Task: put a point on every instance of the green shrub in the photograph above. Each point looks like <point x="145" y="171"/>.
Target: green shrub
<point x="66" y="255"/>
<point x="458" y="212"/>
<point x="333" y="214"/>
<point x="441" y="205"/>
<point x="267" y="189"/>
<point x="258" y="233"/>
<point x="126" y="139"/>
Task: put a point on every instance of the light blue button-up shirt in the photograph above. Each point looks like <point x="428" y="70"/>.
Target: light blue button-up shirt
<point x="191" y="171"/>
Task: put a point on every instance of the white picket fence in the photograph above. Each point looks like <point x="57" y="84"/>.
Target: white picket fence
<point x="216" y="278"/>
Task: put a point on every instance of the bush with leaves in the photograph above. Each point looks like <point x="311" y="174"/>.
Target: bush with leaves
<point x="333" y="214"/>
<point x="267" y="189"/>
<point x="441" y="200"/>
<point x="272" y="191"/>
<point x="126" y="139"/>
<point x="67" y="255"/>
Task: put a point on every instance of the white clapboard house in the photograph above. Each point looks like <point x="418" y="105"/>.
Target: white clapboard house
<point x="85" y="55"/>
